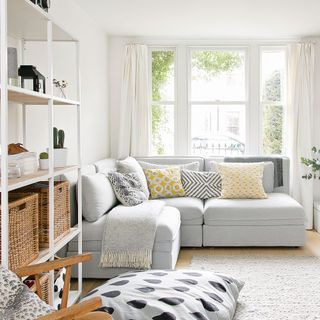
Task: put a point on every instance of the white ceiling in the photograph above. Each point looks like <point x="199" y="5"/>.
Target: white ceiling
<point x="206" y="18"/>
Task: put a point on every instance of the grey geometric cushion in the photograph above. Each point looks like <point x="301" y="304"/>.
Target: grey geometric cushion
<point x="203" y="185"/>
<point x="17" y="302"/>
<point x="128" y="188"/>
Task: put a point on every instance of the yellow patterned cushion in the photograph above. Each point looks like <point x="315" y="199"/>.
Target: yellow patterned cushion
<point x="242" y="180"/>
<point x="164" y="183"/>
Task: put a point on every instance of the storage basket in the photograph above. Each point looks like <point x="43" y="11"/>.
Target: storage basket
<point x="61" y="209"/>
<point x="23" y="239"/>
<point x="45" y="286"/>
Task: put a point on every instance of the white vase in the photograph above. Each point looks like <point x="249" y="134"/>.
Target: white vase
<point x="44" y="164"/>
<point x="60" y="157"/>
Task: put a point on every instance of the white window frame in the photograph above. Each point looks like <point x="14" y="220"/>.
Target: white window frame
<point x="182" y="90"/>
<point x="218" y="102"/>
<point x="284" y="103"/>
<point x="165" y="102"/>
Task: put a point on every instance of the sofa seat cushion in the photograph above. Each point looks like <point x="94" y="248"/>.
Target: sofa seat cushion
<point x="277" y="209"/>
<point x="191" y="209"/>
<point x="167" y="230"/>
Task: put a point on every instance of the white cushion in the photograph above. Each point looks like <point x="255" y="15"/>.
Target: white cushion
<point x="193" y="166"/>
<point x="268" y="175"/>
<point x="97" y="196"/>
<point x="277" y="209"/>
<point x="131" y="165"/>
<point x="191" y="209"/>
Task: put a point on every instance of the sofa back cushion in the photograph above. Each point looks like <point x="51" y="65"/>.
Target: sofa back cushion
<point x="193" y="166"/>
<point x="173" y="160"/>
<point x="97" y="196"/>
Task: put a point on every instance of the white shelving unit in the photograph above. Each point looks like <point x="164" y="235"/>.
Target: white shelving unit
<point x="25" y="21"/>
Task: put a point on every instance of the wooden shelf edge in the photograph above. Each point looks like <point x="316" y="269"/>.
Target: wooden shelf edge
<point x="37" y="176"/>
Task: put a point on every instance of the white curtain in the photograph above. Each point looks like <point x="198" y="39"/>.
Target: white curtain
<point x="134" y="135"/>
<point x="300" y="119"/>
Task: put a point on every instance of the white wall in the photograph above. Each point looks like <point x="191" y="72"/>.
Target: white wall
<point x="94" y="86"/>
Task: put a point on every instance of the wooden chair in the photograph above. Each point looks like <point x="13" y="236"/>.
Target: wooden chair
<point x="80" y="311"/>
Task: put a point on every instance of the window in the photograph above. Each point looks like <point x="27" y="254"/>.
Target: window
<point x="163" y="101"/>
<point x="218" y="101"/>
<point x="273" y="79"/>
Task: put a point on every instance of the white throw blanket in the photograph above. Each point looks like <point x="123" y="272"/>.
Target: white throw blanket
<point x="129" y="235"/>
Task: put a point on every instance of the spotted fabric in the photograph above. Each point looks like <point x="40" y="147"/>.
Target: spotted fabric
<point x="169" y="295"/>
<point x="17" y="302"/>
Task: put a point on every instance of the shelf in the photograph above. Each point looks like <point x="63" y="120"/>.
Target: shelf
<point x="29" y="97"/>
<point x="45" y="254"/>
<point x="29" y="22"/>
<point x="40" y="175"/>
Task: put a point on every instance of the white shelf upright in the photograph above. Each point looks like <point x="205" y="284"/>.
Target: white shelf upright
<point x="25" y="21"/>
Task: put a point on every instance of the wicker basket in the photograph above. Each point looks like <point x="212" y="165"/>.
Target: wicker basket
<point x="45" y="286"/>
<point x="23" y="240"/>
<point x="61" y="209"/>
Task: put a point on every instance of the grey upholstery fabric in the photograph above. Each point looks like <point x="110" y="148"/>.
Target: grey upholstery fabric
<point x="167" y="230"/>
<point x="174" y="160"/>
<point x="97" y="196"/>
<point x="191" y="209"/>
<point x="165" y="252"/>
<point x="194" y="166"/>
<point x="254" y="236"/>
<point x="277" y="209"/>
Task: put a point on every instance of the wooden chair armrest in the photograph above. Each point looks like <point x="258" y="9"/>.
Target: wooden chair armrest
<point x="52" y="265"/>
<point x="74" y="311"/>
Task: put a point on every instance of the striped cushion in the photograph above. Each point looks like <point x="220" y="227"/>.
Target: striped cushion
<point x="203" y="185"/>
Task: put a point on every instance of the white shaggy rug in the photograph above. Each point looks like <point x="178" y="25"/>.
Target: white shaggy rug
<point x="276" y="287"/>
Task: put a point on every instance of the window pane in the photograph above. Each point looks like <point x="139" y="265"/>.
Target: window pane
<point x="163" y="75"/>
<point x="272" y="129"/>
<point x="273" y="66"/>
<point x="218" y="130"/>
<point x="218" y="75"/>
<point x="162" y="129"/>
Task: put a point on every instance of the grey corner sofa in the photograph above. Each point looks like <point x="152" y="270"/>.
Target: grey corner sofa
<point x="275" y="221"/>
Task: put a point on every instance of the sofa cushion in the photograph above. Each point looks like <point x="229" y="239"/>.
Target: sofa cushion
<point x="268" y="174"/>
<point x="191" y="209"/>
<point x="199" y="184"/>
<point x="194" y="166"/>
<point x="97" y="196"/>
<point x="167" y="229"/>
<point x="242" y="180"/>
<point x="128" y="188"/>
<point x="164" y="183"/>
<point x="277" y="209"/>
<point x="131" y="165"/>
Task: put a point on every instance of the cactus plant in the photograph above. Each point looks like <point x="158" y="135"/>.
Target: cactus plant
<point x="61" y="138"/>
<point x="55" y="138"/>
<point x="58" y="138"/>
<point x="44" y="155"/>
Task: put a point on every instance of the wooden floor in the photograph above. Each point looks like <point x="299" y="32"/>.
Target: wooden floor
<point x="312" y="248"/>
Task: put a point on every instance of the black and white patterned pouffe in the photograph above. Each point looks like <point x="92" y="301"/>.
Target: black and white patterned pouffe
<point x="169" y="295"/>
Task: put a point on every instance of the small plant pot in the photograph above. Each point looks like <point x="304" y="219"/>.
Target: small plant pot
<point x="44" y="164"/>
<point x="60" y="157"/>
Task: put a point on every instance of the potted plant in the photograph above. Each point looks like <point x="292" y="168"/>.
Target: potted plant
<point x="313" y="165"/>
<point x="44" y="161"/>
<point x="60" y="153"/>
